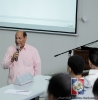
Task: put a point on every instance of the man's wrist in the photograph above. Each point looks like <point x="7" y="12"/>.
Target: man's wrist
<point x="12" y="59"/>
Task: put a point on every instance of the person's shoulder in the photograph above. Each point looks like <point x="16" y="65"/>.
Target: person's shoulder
<point x="31" y="47"/>
<point x="93" y="71"/>
<point x="11" y="47"/>
<point x="87" y="83"/>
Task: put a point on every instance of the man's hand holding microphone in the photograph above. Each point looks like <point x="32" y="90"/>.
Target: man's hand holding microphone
<point x="16" y="54"/>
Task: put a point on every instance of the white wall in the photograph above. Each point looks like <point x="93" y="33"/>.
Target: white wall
<point x="48" y="45"/>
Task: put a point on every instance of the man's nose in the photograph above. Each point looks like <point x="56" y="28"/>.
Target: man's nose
<point x="17" y="40"/>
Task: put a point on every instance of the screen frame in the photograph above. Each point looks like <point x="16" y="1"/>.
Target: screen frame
<point x="45" y="31"/>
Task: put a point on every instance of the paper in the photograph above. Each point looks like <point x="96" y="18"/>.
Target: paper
<point x="21" y="92"/>
<point x="47" y="77"/>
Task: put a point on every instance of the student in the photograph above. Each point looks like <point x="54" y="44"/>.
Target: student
<point x="93" y="63"/>
<point x="75" y="67"/>
<point x="95" y="89"/>
<point x="59" y="87"/>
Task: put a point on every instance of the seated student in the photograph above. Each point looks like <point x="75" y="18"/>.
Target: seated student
<point x="93" y="63"/>
<point x="59" y="87"/>
<point x="75" y="67"/>
<point x="95" y="89"/>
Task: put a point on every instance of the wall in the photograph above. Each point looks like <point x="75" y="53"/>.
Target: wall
<point x="48" y="45"/>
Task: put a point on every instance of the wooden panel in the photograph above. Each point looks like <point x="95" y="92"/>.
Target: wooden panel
<point x="84" y="54"/>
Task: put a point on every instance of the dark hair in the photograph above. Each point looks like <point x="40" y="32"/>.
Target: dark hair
<point x="60" y="86"/>
<point x="95" y="88"/>
<point x="93" y="56"/>
<point x="24" y="34"/>
<point x="76" y="63"/>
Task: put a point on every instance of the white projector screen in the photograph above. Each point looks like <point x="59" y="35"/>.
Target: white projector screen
<point x="57" y="16"/>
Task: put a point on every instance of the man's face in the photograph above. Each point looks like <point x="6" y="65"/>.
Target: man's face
<point x="19" y="39"/>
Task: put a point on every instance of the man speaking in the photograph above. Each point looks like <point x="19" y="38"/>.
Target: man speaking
<point x="21" y="58"/>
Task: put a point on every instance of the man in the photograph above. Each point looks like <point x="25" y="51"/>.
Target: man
<point x="75" y="67"/>
<point x="28" y="58"/>
<point x="59" y="87"/>
<point x="93" y="63"/>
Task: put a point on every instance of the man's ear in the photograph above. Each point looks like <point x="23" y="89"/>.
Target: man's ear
<point x="69" y="69"/>
<point x="26" y="38"/>
<point x="90" y="63"/>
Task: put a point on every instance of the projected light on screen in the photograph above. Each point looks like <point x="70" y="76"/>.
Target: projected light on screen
<point x="39" y="15"/>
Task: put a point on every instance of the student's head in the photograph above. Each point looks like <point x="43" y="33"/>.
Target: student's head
<point x="59" y="87"/>
<point x="20" y="38"/>
<point x="95" y="89"/>
<point x="76" y="65"/>
<point x="93" y="58"/>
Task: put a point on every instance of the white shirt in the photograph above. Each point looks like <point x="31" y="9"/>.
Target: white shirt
<point x="91" y="78"/>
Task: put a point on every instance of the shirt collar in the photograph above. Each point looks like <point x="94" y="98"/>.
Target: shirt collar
<point x="25" y="47"/>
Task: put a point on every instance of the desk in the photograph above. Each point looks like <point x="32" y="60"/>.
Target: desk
<point x="38" y="87"/>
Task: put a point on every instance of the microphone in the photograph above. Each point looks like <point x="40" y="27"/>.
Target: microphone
<point x="82" y="47"/>
<point x="17" y="48"/>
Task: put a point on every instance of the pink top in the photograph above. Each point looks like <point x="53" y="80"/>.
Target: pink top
<point x="28" y="61"/>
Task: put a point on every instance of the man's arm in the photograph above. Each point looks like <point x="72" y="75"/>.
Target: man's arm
<point x="37" y="69"/>
<point x="37" y="63"/>
<point x="8" y="60"/>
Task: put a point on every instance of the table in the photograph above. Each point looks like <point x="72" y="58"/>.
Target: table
<point x="38" y="87"/>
